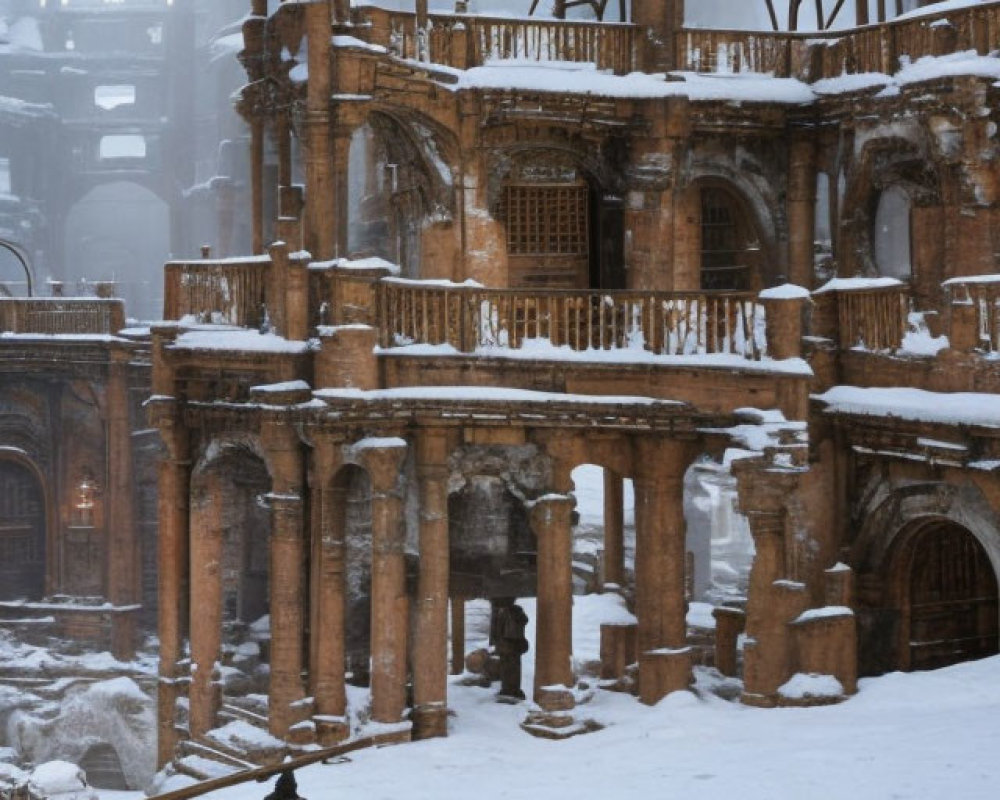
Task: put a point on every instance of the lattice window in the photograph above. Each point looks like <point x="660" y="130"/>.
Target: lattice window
<point x="545" y="219"/>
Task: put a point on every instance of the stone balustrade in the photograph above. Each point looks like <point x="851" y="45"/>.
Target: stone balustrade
<point x="464" y="41"/>
<point x="814" y="56"/>
<point x="858" y="312"/>
<point x="471" y="318"/>
<point x="231" y="291"/>
<point x="61" y="315"/>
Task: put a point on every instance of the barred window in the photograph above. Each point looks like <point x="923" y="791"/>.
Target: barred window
<point x="545" y="219"/>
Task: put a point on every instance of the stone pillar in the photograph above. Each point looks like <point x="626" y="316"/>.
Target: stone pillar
<point x="662" y="19"/>
<point x="550" y="521"/>
<point x="328" y="595"/>
<point x="172" y="516"/>
<point x="783" y="310"/>
<point x="801" y="205"/>
<point x="320" y="211"/>
<point x="346" y="357"/>
<point x="423" y="46"/>
<point x="661" y="606"/>
<point x="287" y="577"/>
<point x="430" y="648"/>
<point x="861" y="11"/>
<point x="614" y="524"/>
<point x="773" y="601"/>
<point x="457" y="635"/>
<point x="122" y="551"/>
<point x="384" y="460"/>
<point x="206" y="603"/>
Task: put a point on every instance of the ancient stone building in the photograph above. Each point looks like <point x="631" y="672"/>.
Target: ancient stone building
<point x="114" y="118"/>
<point x="488" y="251"/>
<point x="77" y="474"/>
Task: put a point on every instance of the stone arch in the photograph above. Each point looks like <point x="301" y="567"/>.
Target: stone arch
<point x="539" y="187"/>
<point x="25" y="527"/>
<point x="756" y="227"/>
<point x="941" y="580"/>
<point x="103" y="767"/>
<point x="120" y="231"/>
<point x="902" y="165"/>
<point x="399" y="166"/>
<point x="892" y="514"/>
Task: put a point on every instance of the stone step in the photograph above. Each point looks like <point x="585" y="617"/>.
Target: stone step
<point x="201" y="768"/>
<point x="230" y="711"/>
<point x="199" y="748"/>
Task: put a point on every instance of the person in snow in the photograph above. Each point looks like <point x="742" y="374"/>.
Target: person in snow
<point x="511" y="645"/>
<point x="285" y="788"/>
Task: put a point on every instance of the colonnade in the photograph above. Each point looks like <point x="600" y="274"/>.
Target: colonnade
<point x="308" y="501"/>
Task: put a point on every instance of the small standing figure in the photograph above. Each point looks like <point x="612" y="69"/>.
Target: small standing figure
<point x="511" y="645"/>
<point x="285" y="788"/>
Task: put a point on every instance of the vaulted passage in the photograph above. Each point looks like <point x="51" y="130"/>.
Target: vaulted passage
<point x="22" y="534"/>
<point x="953" y="598"/>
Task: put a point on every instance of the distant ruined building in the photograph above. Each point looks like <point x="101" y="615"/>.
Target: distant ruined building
<point x="487" y="251"/>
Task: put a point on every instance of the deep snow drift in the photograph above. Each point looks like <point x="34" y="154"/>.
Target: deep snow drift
<point x="923" y="735"/>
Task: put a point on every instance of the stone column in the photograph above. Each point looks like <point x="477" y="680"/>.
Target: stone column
<point x="614" y="523"/>
<point x="206" y="604"/>
<point x="122" y="551"/>
<point x="550" y="521"/>
<point x="384" y="460"/>
<point x="319" y="165"/>
<point x="172" y="516"/>
<point x="328" y="595"/>
<point x="773" y="601"/>
<point x="661" y="606"/>
<point x="801" y="204"/>
<point x="287" y="581"/>
<point x="430" y="648"/>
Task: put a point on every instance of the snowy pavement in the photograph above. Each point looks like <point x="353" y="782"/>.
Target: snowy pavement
<point x="924" y="735"/>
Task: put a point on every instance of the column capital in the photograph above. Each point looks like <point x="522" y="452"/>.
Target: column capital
<point x="383" y="458"/>
<point x="658" y="459"/>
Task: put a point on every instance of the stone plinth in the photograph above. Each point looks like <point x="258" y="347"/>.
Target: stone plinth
<point x="827" y="644"/>
<point x="662" y="672"/>
<point x="618" y="649"/>
<point x="346" y="358"/>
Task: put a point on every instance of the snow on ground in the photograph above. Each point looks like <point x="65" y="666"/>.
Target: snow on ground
<point x="923" y="735"/>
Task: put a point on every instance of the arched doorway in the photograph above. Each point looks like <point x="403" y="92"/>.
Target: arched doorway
<point x="22" y="534"/>
<point x="120" y="232"/>
<point x="730" y="247"/>
<point x="951" y="608"/>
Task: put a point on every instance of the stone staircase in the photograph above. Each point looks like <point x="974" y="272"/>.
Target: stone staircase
<point x="241" y="742"/>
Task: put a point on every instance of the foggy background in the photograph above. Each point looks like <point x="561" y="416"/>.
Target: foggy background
<point x="119" y="145"/>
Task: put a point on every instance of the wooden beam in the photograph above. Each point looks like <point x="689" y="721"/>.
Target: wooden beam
<point x="833" y="14"/>
<point x="770" y="11"/>
<point x="861" y="11"/>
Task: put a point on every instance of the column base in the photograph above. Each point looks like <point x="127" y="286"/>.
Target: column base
<point x="302" y="733"/>
<point x="430" y="721"/>
<point x="331" y="731"/>
<point x="662" y="672"/>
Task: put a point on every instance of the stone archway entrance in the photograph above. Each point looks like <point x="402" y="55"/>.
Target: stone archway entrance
<point x="951" y="605"/>
<point x="22" y="534"/>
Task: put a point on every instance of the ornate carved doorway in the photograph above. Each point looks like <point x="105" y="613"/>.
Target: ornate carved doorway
<point x="22" y="534"/>
<point x="952" y="598"/>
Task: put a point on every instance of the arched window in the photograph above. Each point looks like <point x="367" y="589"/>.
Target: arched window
<point x="892" y="234"/>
